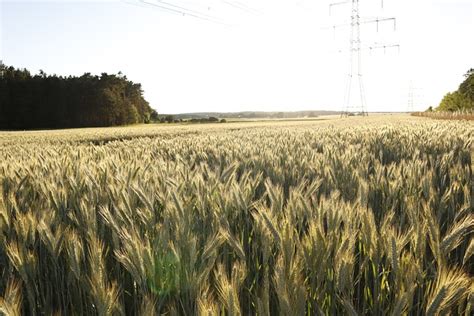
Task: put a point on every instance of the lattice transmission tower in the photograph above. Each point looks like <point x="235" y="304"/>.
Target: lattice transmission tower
<point x="411" y="97"/>
<point x="354" y="82"/>
<point x="414" y="94"/>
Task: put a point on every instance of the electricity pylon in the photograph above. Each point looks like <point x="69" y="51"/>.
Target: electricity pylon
<point x="413" y="95"/>
<point x="359" y="106"/>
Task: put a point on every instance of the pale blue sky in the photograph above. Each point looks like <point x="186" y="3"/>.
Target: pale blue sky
<point x="280" y="59"/>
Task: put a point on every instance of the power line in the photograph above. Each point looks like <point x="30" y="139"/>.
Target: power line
<point x="242" y="6"/>
<point x="178" y="9"/>
<point x="181" y="9"/>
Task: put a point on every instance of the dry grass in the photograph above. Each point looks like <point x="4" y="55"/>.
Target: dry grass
<point x="466" y="115"/>
<point x="342" y="216"/>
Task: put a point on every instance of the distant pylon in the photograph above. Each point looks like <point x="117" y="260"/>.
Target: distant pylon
<point x="414" y="95"/>
<point x="410" y="107"/>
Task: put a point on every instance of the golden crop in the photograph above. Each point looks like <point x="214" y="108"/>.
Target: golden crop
<point x="354" y="216"/>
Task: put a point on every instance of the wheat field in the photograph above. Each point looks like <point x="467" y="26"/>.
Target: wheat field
<point x="357" y="216"/>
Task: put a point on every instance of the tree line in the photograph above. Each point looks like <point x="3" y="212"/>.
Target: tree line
<point x="49" y="101"/>
<point x="462" y="99"/>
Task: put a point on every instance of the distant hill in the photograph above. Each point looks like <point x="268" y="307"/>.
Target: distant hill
<point x="251" y="114"/>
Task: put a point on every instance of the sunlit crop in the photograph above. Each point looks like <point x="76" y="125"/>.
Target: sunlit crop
<point x="338" y="217"/>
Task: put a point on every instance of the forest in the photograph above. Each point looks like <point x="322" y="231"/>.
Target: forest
<point x="461" y="99"/>
<point x="49" y="101"/>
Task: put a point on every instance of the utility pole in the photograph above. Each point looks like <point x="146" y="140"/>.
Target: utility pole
<point x="354" y="82"/>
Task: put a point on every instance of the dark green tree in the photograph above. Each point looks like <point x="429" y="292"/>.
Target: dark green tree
<point x="50" y="101"/>
<point x="467" y="87"/>
<point x="461" y="99"/>
<point x="452" y="101"/>
<point x="154" y="116"/>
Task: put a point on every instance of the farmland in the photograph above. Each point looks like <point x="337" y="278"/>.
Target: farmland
<point x="320" y="217"/>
